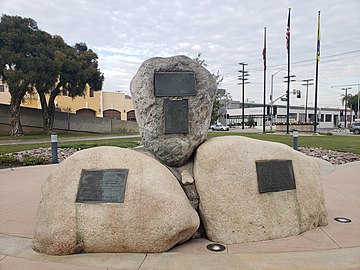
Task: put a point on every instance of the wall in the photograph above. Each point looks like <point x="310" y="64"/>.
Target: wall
<point x="117" y="101"/>
<point x="31" y="120"/>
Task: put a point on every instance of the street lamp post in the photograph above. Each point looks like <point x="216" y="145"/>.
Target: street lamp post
<point x="272" y="97"/>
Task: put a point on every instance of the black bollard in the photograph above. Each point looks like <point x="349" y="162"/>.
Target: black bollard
<point x="54" y="148"/>
<point x="296" y="137"/>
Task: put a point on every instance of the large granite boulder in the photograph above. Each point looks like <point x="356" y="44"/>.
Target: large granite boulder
<point x="231" y="206"/>
<point x="172" y="149"/>
<point x="155" y="214"/>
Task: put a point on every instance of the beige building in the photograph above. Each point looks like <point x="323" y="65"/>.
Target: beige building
<point x="116" y="105"/>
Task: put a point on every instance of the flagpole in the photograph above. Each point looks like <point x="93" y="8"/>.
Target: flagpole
<point x="264" y="57"/>
<point x="288" y="77"/>
<point x="317" y="73"/>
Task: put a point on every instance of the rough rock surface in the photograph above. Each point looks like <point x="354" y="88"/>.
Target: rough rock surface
<point x="154" y="217"/>
<point x="172" y="149"/>
<point x="231" y="207"/>
<point x="333" y="157"/>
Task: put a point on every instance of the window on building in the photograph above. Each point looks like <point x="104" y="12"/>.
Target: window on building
<point x="91" y="92"/>
<point x="2" y="88"/>
<point x="328" y="118"/>
<point x="312" y="117"/>
<point x="302" y="117"/>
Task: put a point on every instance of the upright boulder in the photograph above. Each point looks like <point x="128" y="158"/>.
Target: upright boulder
<point x="236" y="209"/>
<point x="154" y="216"/>
<point x="173" y="117"/>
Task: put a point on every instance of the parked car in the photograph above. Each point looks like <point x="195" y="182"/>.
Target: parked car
<point x="219" y="127"/>
<point x="355" y="127"/>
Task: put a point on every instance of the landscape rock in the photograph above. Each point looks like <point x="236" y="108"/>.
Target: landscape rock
<point x="155" y="214"/>
<point x="172" y="149"/>
<point x="231" y="207"/>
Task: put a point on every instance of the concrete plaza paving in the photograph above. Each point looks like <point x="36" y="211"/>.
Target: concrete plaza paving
<point x="336" y="246"/>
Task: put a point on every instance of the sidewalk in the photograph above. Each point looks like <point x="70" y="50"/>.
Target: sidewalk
<point x="336" y="246"/>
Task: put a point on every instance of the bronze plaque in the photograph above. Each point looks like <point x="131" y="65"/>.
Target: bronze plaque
<point x="174" y="84"/>
<point x="102" y="186"/>
<point x="176" y="116"/>
<point x="275" y="175"/>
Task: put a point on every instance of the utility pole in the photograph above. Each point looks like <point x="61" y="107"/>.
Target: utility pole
<point x="346" y="103"/>
<point x="243" y="81"/>
<point x="308" y="82"/>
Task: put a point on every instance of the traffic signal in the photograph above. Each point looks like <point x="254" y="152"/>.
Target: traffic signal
<point x="341" y="113"/>
<point x="298" y="94"/>
<point x="275" y="110"/>
<point x="268" y="110"/>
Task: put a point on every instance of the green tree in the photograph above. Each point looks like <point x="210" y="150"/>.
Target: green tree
<point x="351" y="101"/>
<point x="72" y="70"/>
<point x="19" y="51"/>
<point x="33" y="60"/>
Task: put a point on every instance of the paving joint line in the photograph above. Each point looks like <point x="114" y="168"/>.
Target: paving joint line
<point x="330" y="238"/>
<point x="142" y="261"/>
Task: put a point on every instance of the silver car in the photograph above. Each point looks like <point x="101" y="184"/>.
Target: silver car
<point x="355" y="127"/>
<point x="219" y="127"/>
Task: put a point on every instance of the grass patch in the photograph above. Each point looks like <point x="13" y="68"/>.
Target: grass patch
<point x="63" y="135"/>
<point x="331" y="142"/>
<point x="122" y="142"/>
<point x="10" y="161"/>
<point x="32" y="160"/>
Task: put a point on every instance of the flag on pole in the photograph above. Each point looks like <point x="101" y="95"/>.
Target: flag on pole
<point x="264" y="49"/>
<point x="288" y="33"/>
<point x="318" y="40"/>
<point x="264" y="56"/>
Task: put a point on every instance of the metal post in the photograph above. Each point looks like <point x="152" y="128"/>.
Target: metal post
<point x="264" y="56"/>
<point x="306" y="100"/>
<point x="295" y="137"/>
<point x="345" y="106"/>
<point x="54" y="148"/>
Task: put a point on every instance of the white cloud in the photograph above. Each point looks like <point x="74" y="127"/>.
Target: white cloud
<point x="126" y="33"/>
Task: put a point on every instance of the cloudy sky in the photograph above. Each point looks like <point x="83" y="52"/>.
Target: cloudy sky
<point x="125" y="33"/>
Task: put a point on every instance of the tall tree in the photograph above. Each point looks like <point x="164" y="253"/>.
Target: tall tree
<point x="75" y="69"/>
<point x="33" y="60"/>
<point x="351" y="101"/>
<point x="18" y="53"/>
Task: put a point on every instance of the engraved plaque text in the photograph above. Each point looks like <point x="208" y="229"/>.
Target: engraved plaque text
<point x="102" y="186"/>
<point x="176" y="116"/>
<point x="174" y="84"/>
<point x="275" y="175"/>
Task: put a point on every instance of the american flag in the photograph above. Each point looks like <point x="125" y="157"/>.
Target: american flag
<point x="288" y="33"/>
<point x="264" y="56"/>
